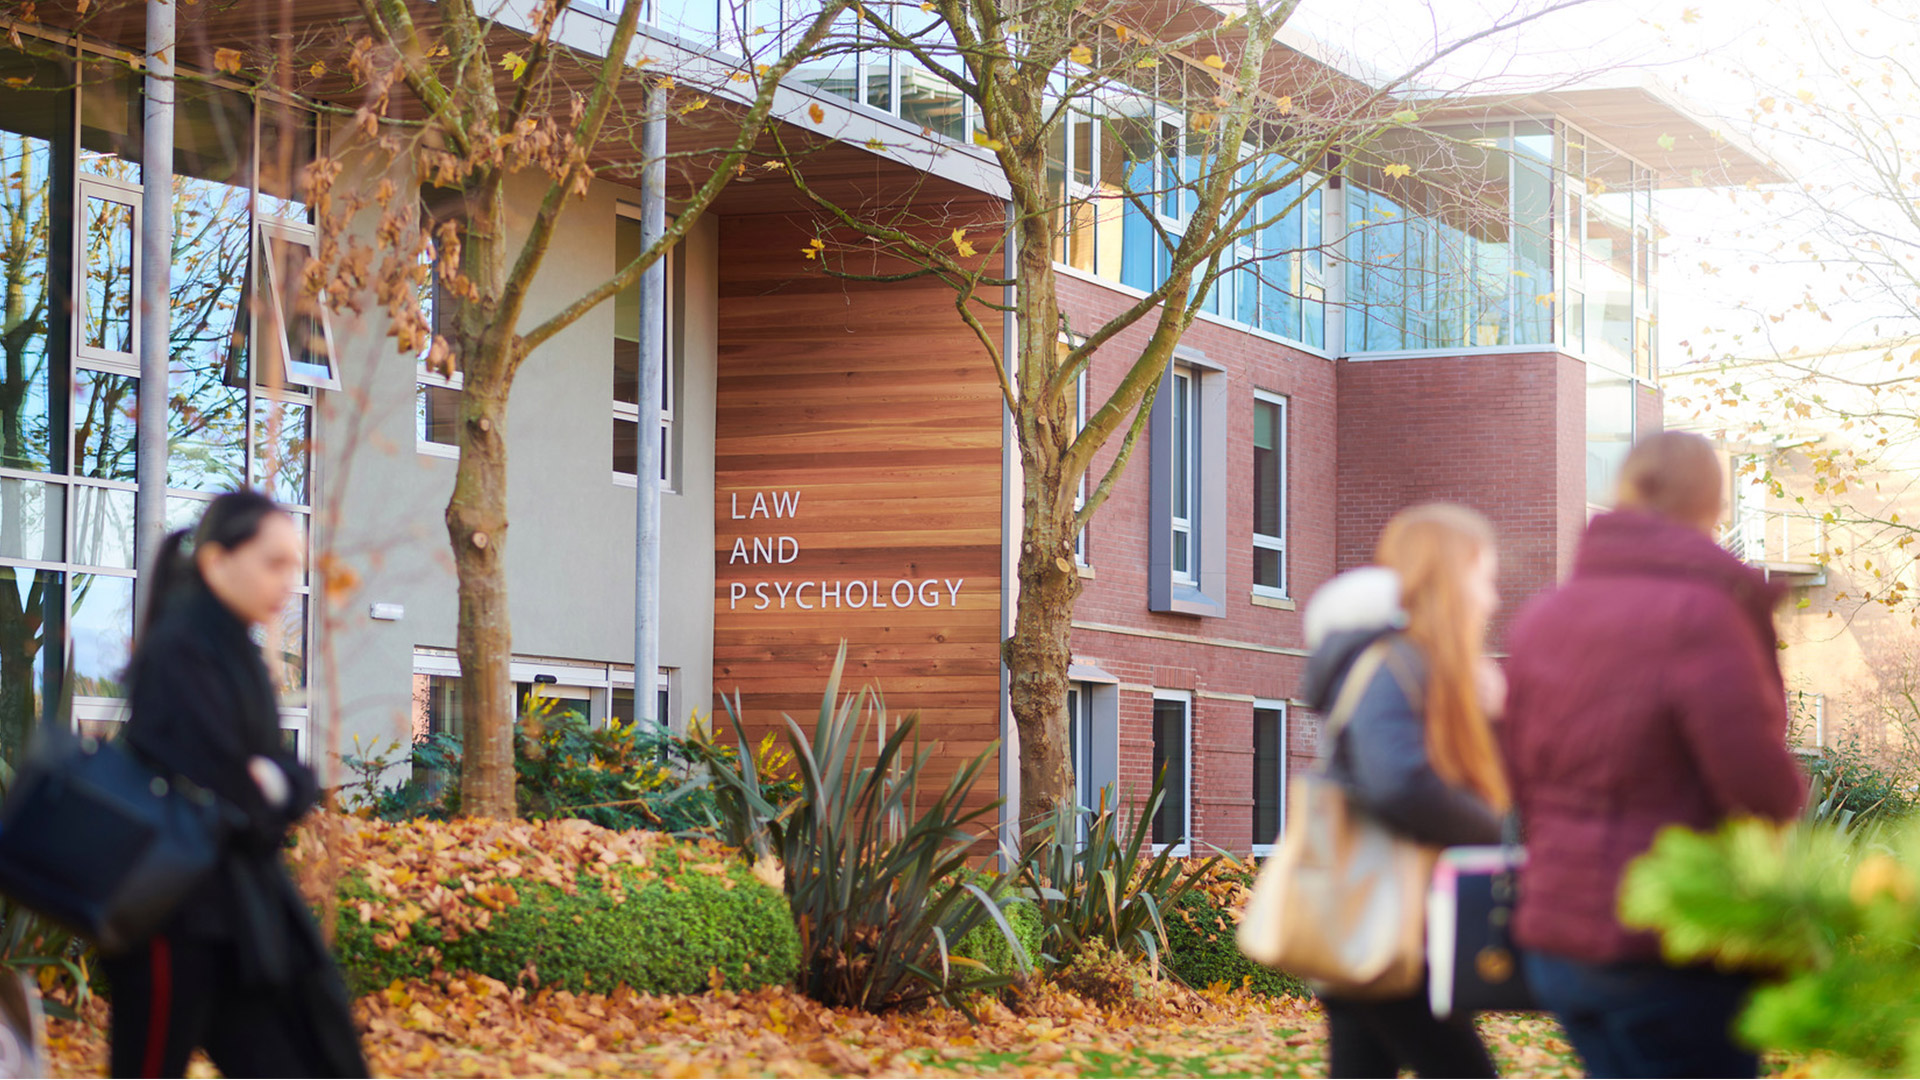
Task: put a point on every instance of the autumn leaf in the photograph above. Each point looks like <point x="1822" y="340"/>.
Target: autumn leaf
<point x="961" y="245"/>
<point x="817" y="114"/>
<point x="1147" y="62"/>
<point x="1284" y="105"/>
<point x="1666" y="142"/>
<point x="318" y="69"/>
<point x="227" y="60"/>
<point x="740" y="76"/>
<point x="1215" y="62"/>
<point x="514" y="65"/>
<point x="814" y="248"/>
<point x="981" y="138"/>
<point x="1398" y="170"/>
<point x="1080" y="54"/>
<point x="1690" y="15"/>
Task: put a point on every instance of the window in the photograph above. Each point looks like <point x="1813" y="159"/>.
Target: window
<point x="1269" y="494"/>
<point x="437" y="395"/>
<point x="1080" y="744"/>
<point x="1184" y="445"/>
<point x="1172" y="745"/>
<point x="626" y="358"/>
<point x="1269" y="774"/>
<point x="298" y="335"/>
<point x="68" y="477"/>
<point x="1610" y="431"/>
<point x="1186" y="550"/>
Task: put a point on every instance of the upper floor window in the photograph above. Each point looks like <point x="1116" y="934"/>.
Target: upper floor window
<point x="627" y="323"/>
<point x="1269" y="494"/>
<point x="1184" y="446"/>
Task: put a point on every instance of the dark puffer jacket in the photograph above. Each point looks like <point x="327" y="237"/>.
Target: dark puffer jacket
<point x="1644" y="692"/>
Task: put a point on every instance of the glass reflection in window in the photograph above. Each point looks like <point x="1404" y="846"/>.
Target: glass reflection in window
<point x="102" y="623"/>
<point x="104" y="411"/>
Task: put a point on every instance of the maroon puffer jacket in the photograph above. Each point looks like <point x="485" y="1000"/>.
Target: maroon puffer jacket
<point x="1644" y="692"/>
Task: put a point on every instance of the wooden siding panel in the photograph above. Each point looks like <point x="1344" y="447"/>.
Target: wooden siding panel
<point x="877" y="405"/>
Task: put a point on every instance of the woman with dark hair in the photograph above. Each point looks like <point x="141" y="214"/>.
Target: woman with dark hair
<point x="240" y="970"/>
<point x="1645" y="692"/>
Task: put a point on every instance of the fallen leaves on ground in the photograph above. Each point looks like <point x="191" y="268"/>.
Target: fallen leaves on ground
<point x="465" y="1026"/>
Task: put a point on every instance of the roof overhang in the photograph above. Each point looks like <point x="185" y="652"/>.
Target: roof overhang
<point x="1648" y="122"/>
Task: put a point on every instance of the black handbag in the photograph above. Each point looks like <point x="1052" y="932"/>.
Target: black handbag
<point x="94" y="839"/>
<point x="1472" y="964"/>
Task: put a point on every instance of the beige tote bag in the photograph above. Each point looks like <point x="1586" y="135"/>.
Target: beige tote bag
<point x="1343" y="902"/>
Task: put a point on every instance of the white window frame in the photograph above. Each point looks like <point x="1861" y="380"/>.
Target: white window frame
<point x="88" y="187"/>
<point x="630" y="413"/>
<point x="1184" y="514"/>
<point x="1185" y="698"/>
<point x="1262" y="541"/>
<point x="1264" y="848"/>
<point x="268" y="229"/>
<point x="423" y="376"/>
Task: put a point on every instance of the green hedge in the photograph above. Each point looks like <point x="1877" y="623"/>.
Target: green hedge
<point x="667" y="935"/>
<point x="988" y="945"/>
<point x="1200" y="932"/>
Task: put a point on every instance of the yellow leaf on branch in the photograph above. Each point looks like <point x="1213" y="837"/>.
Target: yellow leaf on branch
<point x="960" y="244"/>
<point x="814" y="247"/>
<point x="227" y="60"/>
<point x="514" y="65"/>
<point x="1398" y="170"/>
<point x="1081" y="54"/>
<point x="1215" y="62"/>
<point x="817" y="114"/>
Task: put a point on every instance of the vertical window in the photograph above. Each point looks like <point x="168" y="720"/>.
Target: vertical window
<point x="1269" y="773"/>
<point x="1185" y="448"/>
<point x="1269" y="494"/>
<point x="437" y="395"/>
<point x="1172" y="743"/>
<point x="1080" y="744"/>
<point x="626" y="359"/>
<point x="296" y="335"/>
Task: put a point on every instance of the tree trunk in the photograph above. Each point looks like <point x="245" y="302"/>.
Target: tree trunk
<point x="477" y="529"/>
<point x="1038" y="654"/>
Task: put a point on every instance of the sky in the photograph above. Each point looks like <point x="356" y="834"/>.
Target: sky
<point x="1725" y="253"/>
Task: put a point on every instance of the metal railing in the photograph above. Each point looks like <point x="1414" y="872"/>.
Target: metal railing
<point x="1776" y="537"/>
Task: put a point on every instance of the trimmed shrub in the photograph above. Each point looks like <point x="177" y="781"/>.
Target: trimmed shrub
<point x="989" y="946"/>
<point x="1200" y="929"/>
<point x="564" y="905"/>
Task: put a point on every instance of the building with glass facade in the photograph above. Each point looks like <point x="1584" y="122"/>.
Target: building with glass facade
<point x="834" y="459"/>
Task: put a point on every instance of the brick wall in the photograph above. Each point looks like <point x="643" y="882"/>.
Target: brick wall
<point x="1477" y="430"/>
<point x="1251" y="651"/>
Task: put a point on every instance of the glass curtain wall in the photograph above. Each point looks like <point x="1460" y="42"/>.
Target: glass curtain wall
<point x="70" y="199"/>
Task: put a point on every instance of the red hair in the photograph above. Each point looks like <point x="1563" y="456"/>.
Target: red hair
<point x="1433" y="548"/>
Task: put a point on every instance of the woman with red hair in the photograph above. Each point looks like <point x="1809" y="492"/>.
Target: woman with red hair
<point x="1417" y="752"/>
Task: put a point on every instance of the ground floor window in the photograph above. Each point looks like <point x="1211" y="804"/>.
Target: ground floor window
<point x="1172" y="747"/>
<point x="1269" y="773"/>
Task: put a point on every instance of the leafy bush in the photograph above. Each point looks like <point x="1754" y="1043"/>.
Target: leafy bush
<point x="1104" y="975"/>
<point x="989" y="946"/>
<point x="563" y="904"/>
<point x="1833" y="916"/>
<point x="619" y="776"/>
<point x="1858" y="786"/>
<point x="1200" y="935"/>
<point x="1102" y="888"/>
<point x="874" y="883"/>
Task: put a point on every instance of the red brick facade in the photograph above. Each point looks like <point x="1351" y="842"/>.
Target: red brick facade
<point x="1502" y="433"/>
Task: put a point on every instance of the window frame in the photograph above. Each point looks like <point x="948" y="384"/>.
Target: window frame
<point x="89" y="186"/>
<point x="1262" y="541"/>
<point x="268" y="229"/>
<point x="1184" y="447"/>
<point x="1185" y="697"/>
<point x="624" y="412"/>
<point x="1261" y="848"/>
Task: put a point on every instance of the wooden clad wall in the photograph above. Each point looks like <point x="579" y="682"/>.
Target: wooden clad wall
<point x="866" y="419"/>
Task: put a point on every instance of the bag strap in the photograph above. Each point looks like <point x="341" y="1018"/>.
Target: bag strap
<point x="1354" y="687"/>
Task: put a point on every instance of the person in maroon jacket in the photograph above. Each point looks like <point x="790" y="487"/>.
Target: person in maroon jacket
<point x="1643" y="693"/>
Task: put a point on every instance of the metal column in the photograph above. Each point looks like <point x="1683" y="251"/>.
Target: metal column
<point x="653" y="326"/>
<point x="156" y="258"/>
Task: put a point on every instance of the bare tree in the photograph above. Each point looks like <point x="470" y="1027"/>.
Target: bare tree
<point x="460" y="106"/>
<point x="1264" y="127"/>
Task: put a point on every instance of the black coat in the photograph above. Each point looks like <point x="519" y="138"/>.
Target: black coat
<point x="202" y="705"/>
<point x="1380" y="757"/>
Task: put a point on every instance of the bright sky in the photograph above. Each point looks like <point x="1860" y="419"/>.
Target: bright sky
<point x="1722" y="249"/>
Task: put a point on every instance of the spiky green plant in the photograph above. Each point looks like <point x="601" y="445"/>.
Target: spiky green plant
<point x="875" y="882"/>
